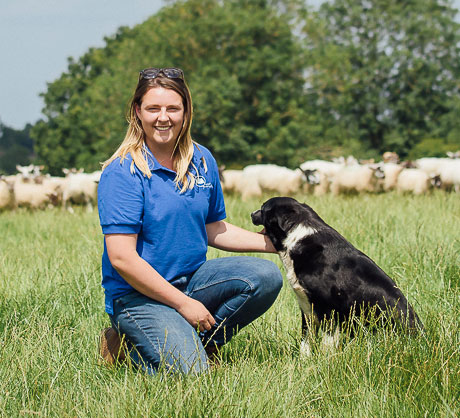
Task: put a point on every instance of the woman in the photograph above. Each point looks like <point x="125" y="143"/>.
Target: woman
<point x="160" y="206"/>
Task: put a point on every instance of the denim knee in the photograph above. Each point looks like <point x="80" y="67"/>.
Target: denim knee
<point x="242" y="289"/>
<point x="158" y="335"/>
<point x="266" y="279"/>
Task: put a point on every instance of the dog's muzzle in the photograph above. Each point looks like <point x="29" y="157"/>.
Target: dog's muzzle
<point x="256" y="217"/>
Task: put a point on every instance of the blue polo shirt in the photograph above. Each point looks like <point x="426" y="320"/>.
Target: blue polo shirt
<point x="170" y="225"/>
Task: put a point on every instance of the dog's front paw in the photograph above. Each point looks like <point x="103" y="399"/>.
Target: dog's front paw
<point x="305" y="349"/>
<point x="330" y="342"/>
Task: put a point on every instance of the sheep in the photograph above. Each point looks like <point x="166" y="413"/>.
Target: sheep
<point x="95" y="176"/>
<point x="35" y="196"/>
<point x="73" y="170"/>
<point x="416" y="181"/>
<point x="249" y="187"/>
<point x="6" y="193"/>
<point x="80" y="188"/>
<point x="391" y="171"/>
<point x="326" y="171"/>
<point x="313" y="179"/>
<point x="231" y="180"/>
<point x="269" y="177"/>
<point x="449" y="173"/>
<point x="447" y="168"/>
<point x="29" y="172"/>
<point x="408" y="164"/>
<point x="390" y="157"/>
<point x="12" y="179"/>
<point x="431" y="165"/>
<point x="357" y="178"/>
<point x="328" y="168"/>
<point x="317" y="183"/>
<point x="324" y="185"/>
<point x="350" y="160"/>
<point x="453" y="155"/>
<point x="367" y="162"/>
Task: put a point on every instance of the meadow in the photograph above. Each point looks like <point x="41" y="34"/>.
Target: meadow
<point x="51" y="315"/>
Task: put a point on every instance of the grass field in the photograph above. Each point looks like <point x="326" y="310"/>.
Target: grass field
<point x="51" y="314"/>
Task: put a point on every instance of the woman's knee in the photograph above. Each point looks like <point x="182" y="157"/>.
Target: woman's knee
<point x="176" y="352"/>
<point x="159" y="336"/>
<point x="266" y="277"/>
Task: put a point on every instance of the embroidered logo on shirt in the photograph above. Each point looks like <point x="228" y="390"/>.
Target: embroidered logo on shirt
<point x="200" y="181"/>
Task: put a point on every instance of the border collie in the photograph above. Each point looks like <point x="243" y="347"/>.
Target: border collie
<point x="331" y="279"/>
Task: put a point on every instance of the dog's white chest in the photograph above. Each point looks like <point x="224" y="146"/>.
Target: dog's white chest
<point x="291" y="240"/>
<point x="302" y="298"/>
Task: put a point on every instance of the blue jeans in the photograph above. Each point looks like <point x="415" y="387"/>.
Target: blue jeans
<point x="235" y="290"/>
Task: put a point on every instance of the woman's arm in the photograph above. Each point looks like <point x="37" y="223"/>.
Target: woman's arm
<point x="226" y="236"/>
<point x="121" y="249"/>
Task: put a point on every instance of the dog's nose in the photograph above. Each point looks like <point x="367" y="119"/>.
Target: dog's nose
<point x="255" y="216"/>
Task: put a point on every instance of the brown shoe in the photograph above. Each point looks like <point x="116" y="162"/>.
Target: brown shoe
<point x="111" y="348"/>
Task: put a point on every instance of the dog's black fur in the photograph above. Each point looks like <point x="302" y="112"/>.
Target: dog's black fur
<point x="338" y="279"/>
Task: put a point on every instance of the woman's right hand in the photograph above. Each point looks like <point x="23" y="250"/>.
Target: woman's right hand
<point x="121" y="249"/>
<point x="196" y="314"/>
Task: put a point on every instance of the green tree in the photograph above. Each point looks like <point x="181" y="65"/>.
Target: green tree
<point x="242" y="63"/>
<point x="383" y="71"/>
<point x="447" y="126"/>
<point x="16" y="147"/>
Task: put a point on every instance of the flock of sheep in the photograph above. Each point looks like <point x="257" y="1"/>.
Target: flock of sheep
<point x="347" y="176"/>
<point x="33" y="189"/>
<point x="30" y="188"/>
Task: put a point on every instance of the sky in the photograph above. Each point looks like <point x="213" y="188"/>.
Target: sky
<point x="37" y="37"/>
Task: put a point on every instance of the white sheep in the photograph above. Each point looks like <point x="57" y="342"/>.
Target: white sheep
<point x="231" y="180"/>
<point x="328" y="168"/>
<point x="249" y="187"/>
<point x="29" y="172"/>
<point x="390" y="157"/>
<point x="450" y="175"/>
<point x="350" y="160"/>
<point x="431" y="165"/>
<point x="270" y="177"/>
<point x="317" y="183"/>
<point x="452" y="154"/>
<point x="416" y="181"/>
<point x="357" y="178"/>
<point x="95" y="176"/>
<point x="12" y="179"/>
<point x="80" y="189"/>
<point x="391" y="171"/>
<point x="37" y="195"/>
<point x="6" y="193"/>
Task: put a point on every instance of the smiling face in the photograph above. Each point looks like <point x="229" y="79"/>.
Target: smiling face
<point x="161" y="113"/>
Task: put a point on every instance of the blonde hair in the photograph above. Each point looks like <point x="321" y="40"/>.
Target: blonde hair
<point x="134" y="141"/>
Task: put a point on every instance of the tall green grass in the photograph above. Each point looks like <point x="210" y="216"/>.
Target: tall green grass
<point x="51" y="313"/>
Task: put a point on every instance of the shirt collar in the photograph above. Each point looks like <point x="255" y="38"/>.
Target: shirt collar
<point x="151" y="160"/>
<point x="155" y="165"/>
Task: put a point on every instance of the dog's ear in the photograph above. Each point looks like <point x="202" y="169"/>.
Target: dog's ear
<point x="286" y="222"/>
<point x="274" y="230"/>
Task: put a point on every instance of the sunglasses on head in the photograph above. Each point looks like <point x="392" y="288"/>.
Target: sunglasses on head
<point x="172" y="72"/>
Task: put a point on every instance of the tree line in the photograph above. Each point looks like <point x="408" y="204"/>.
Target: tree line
<point x="16" y="147"/>
<point x="273" y="81"/>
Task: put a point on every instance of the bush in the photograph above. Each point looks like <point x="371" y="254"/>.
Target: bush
<point x="433" y="147"/>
